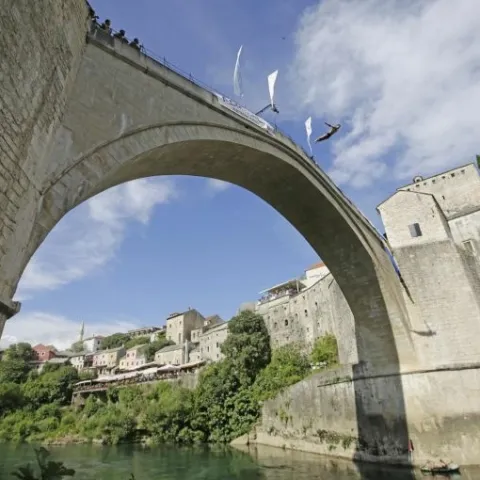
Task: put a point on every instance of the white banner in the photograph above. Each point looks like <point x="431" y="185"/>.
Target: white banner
<point x="308" y="128"/>
<point x="272" y="78"/>
<point x="237" y="77"/>
<point x="244" y="113"/>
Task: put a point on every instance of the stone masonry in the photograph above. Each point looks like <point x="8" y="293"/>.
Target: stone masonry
<point x="40" y="50"/>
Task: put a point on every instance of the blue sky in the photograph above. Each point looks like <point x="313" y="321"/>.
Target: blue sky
<point x="388" y="70"/>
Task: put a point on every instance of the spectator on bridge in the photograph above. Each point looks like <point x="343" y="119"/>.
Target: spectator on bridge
<point x="121" y="36"/>
<point x="135" y="43"/>
<point x="106" y="25"/>
<point x="91" y="13"/>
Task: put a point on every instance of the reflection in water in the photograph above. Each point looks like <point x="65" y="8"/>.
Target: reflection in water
<point x="262" y="463"/>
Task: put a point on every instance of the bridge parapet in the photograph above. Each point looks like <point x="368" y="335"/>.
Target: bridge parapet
<point x="173" y="76"/>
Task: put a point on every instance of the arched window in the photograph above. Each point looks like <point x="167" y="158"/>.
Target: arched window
<point x="286" y="322"/>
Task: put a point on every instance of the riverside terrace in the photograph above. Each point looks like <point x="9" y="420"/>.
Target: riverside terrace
<point x="136" y="377"/>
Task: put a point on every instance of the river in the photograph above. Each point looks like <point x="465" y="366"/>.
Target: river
<point x="118" y="463"/>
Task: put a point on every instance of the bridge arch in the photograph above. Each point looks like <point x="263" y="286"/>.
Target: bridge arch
<point x="127" y="116"/>
<point x="289" y="183"/>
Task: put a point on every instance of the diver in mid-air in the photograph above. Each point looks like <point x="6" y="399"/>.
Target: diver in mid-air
<point x="333" y="130"/>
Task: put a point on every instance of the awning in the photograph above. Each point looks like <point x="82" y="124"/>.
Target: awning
<point x="149" y="371"/>
<point x="295" y="281"/>
<point x="168" y="367"/>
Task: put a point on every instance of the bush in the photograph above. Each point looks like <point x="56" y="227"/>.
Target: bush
<point x="325" y="350"/>
<point x="288" y="366"/>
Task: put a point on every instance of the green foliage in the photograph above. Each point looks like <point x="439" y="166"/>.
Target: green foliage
<point x="133" y="342"/>
<point x="77" y="347"/>
<point x="48" y="470"/>
<point x="20" y="351"/>
<point x="478" y="160"/>
<point x="225" y="404"/>
<point x="114" y="341"/>
<point x="14" y="370"/>
<point x="288" y="366"/>
<point x="325" y="350"/>
<point x="247" y="347"/>
<point x="11" y="397"/>
<point x="53" y="386"/>
<point x="155" y="346"/>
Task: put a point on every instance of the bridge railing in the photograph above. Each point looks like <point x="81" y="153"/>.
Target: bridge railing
<point x="107" y="38"/>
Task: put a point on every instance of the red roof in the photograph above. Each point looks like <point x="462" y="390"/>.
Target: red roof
<point x="316" y="265"/>
<point x="40" y="346"/>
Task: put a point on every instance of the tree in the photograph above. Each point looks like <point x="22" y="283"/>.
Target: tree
<point x="137" y="341"/>
<point x="49" y="387"/>
<point x="20" y="351"/>
<point x="114" y="341"/>
<point x="13" y="370"/>
<point x="11" y="397"/>
<point x="478" y="160"/>
<point x="154" y="347"/>
<point x="77" y="347"/>
<point x="247" y="345"/>
<point x="288" y="366"/>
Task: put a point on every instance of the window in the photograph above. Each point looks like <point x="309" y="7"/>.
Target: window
<point x="275" y="325"/>
<point x="469" y="247"/>
<point x="415" y="230"/>
<point x="316" y="304"/>
<point x="306" y="312"/>
<point x="286" y="322"/>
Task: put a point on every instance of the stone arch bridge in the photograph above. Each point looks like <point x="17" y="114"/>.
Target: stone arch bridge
<point x="84" y="112"/>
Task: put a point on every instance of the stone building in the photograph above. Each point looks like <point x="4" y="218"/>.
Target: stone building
<point x="44" y="353"/>
<point x="105" y="360"/>
<point x="93" y="344"/>
<point x="210" y="341"/>
<point x="180" y="325"/>
<point x="300" y="310"/>
<point x="82" y="360"/>
<point x="433" y="230"/>
<point x="173" y="354"/>
<point x="134" y="357"/>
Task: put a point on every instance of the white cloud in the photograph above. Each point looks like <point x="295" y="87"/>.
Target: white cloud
<point x="50" y="329"/>
<point x="88" y="237"/>
<point x="402" y="76"/>
<point x="217" y="186"/>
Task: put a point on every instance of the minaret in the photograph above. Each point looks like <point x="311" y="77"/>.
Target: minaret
<point x="82" y="331"/>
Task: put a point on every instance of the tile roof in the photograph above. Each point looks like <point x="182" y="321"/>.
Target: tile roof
<point x="316" y="265"/>
<point x="169" y="348"/>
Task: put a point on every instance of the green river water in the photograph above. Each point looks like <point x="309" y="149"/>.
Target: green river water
<point x="117" y="463"/>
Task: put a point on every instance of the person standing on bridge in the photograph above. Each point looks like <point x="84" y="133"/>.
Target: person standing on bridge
<point x="106" y="25"/>
<point x="121" y="36"/>
<point x="135" y="43"/>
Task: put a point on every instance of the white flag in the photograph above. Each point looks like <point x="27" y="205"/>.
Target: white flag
<point x="272" y="78"/>
<point x="237" y="78"/>
<point x="308" y="128"/>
